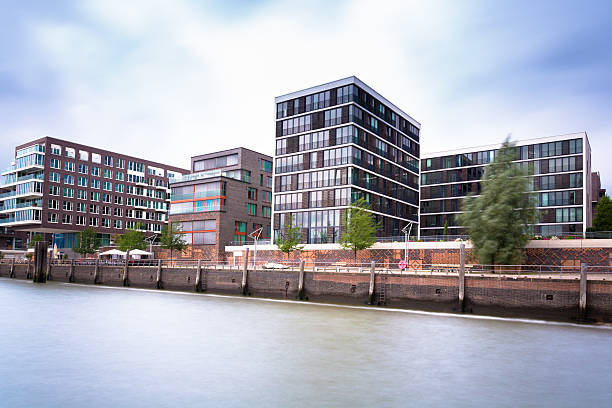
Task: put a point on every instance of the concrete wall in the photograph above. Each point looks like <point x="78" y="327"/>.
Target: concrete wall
<point x="506" y="296"/>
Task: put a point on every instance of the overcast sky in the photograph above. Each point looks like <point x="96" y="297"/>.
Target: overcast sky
<point x="164" y="80"/>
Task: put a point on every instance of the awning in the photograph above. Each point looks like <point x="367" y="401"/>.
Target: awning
<point x="113" y="252"/>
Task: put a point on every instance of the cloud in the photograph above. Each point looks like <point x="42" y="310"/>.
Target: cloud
<point x="166" y="80"/>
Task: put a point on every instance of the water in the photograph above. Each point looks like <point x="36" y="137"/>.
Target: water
<point x="73" y="346"/>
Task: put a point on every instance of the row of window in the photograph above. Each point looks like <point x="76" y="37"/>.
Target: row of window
<point x="345" y="94"/>
<point x="315" y="199"/>
<point x="84" y="156"/>
<point x="522" y="153"/>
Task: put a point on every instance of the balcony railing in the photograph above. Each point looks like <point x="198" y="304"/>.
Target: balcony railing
<point x="36" y="203"/>
<point x="11" y="180"/>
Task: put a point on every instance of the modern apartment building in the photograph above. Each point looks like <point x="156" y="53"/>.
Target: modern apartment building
<point x="58" y="187"/>
<point x="338" y="142"/>
<point x="227" y="196"/>
<point x="560" y="169"/>
<point x="597" y="193"/>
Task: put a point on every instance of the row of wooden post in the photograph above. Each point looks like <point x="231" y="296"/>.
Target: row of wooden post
<point x="42" y="269"/>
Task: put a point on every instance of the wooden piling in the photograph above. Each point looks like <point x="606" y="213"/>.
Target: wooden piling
<point x="583" y="291"/>
<point x="12" y="274"/>
<point x="71" y="276"/>
<point x="158" y="280"/>
<point x="372" y="276"/>
<point x="96" y="271"/>
<point x="48" y="272"/>
<point x="301" y="281"/>
<point x="245" y="267"/>
<point x="198" y="280"/>
<point x="40" y="262"/>
<point x="126" y="281"/>
<point x="462" y="278"/>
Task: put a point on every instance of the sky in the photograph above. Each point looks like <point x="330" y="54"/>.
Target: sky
<point x="165" y="80"/>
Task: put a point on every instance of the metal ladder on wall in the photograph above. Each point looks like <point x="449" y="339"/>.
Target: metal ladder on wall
<point x="204" y="280"/>
<point x="382" y="293"/>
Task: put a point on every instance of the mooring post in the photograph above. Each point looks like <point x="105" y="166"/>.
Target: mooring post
<point x="125" y="269"/>
<point x="198" y="280"/>
<point x="28" y="268"/>
<point x="48" y="272"/>
<point x="461" y="277"/>
<point x="371" y="290"/>
<point x="158" y="280"/>
<point x="301" y="281"/>
<point x="12" y="274"/>
<point x="96" y="271"/>
<point x="71" y="276"/>
<point x="583" y="290"/>
<point x="40" y="259"/>
<point x="245" y="272"/>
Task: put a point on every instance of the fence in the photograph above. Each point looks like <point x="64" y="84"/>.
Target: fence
<point x="548" y="271"/>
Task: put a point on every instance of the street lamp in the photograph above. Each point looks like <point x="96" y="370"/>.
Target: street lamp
<point x="255" y="235"/>
<point x="406" y="230"/>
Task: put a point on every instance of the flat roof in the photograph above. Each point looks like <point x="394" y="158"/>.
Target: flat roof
<point x="100" y="150"/>
<point x="523" y="142"/>
<point x="342" y="82"/>
<point x="226" y="152"/>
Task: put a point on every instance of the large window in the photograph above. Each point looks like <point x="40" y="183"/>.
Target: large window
<point x="318" y="101"/>
<point x="216" y="162"/>
<point x="296" y="125"/>
<point x="333" y="117"/>
<point x="314" y="140"/>
<point x="240" y="232"/>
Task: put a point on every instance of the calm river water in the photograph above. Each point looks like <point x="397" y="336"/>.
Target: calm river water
<point x="78" y="346"/>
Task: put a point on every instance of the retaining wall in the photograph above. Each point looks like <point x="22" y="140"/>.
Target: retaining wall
<point x="499" y="295"/>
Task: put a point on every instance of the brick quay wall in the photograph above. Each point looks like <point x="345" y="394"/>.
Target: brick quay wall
<point x="593" y="252"/>
<point x="499" y="295"/>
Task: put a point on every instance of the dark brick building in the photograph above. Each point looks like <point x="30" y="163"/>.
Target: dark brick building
<point x="58" y="188"/>
<point x="227" y="196"/>
<point x="336" y="143"/>
<point x="560" y="179"/>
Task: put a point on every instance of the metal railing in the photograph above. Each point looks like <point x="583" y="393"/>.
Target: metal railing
<point x="477" y="270"/>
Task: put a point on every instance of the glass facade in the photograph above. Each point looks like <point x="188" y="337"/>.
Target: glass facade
<point x="343" y="134"/>
<point x="557" y="170"/>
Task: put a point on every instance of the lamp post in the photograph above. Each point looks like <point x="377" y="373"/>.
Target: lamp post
<point x="255" y="235"/>
<point x="406" y="230"/>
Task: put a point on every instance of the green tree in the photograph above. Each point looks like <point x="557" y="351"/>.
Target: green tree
<point x="290" y="237"/>
<point x="498" y="221"/>
<point x="445" y="231"/>
<point x="35" y="238"/>
<point x="603" y="217"/>
<point x="359" y="227"/>
<point x="87" y="242"/>
<point x="132" y="239"/>
<point x="172" y="238"/>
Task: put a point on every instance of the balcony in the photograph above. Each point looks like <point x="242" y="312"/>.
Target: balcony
<point x="11" y="180"/>
<point x="14" y="194"/>
<point x="28" y="204"/>
<point x="199" y="194"/>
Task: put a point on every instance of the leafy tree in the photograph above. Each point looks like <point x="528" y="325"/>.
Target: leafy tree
<point x="290" y="237"/>
<point x="35" y="238"/>
<point x="445" y="231"/>
<point x="132" y="239"/>
<point x="603" y="217"/>
<point x="498" y="220"/>
<point x="359" y="227"/>
<point x="172" y="238"/>
<point x="87" y="242"/>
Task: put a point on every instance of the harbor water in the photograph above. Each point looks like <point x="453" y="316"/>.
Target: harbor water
<point x="66" y="345"/>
